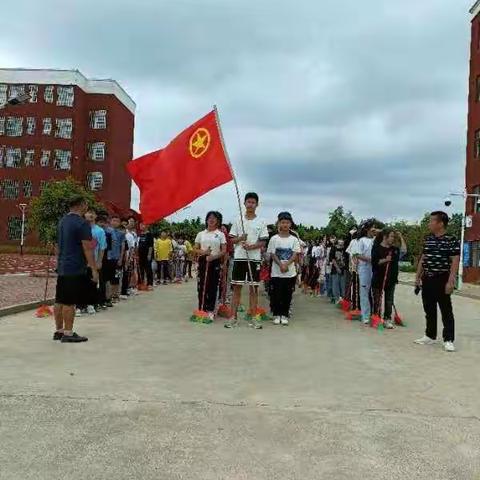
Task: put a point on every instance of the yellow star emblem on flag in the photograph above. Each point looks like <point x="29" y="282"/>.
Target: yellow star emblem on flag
<point x="199" y="142"/>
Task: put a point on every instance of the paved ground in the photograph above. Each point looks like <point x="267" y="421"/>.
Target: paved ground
<point x="15" y="263"/>
<point x="18" y="289"/>
<point x="152" y="396"/>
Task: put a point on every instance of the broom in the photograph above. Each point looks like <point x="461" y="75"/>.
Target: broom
<point x="398" y="319"/>
<point x="355" y="313"/>
<point x="376" y="320"/>
<point x="45" y="310"/>
<point x="201" y="316"/>
<point x="224" y="310"/>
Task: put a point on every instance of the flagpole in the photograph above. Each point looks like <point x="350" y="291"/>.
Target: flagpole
<point x="237" y="190"/>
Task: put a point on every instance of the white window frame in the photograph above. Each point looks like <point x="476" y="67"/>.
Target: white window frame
<point x="47" y="126"/>
<point x="31" y="125"/>
<point x="65" y="96"/>
<point x="2" y="125"/>
<point x="3" y="93"/>
<point x="10" y="188"/>
<point x="33" y="92"/>
<point x="45" y="158"/>
<point x="48" y="94"/>
<point x="97" y="151"/>
<point x="13" y="157"/>
<point x="14" y="127"/>
<point x="27" y="188"/>
<point x="15" y="91"/>
<point x="17" y="227"/>
<point x="2" y="156"/>
<point x="63" y="128"/>
<point x="62" y="160"/>
<point x="29" y="157"/>
<point x="98" y="119"/>
<point x="95" y="181"/>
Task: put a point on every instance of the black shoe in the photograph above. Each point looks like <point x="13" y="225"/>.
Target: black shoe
<point x="109" y="304"/>
<point x="58" y="335"/>
<point x="73" y="338"/>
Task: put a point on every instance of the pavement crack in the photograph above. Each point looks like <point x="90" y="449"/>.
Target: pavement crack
<point x="242" y="404"/>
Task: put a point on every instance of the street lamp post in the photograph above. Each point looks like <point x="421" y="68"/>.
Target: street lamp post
<point x="464" y="195"/>
<point x="22" y="207"/>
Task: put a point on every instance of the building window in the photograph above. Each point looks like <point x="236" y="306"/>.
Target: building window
<point x="477" y="144"/>
<point x="62" y="160"/>
<point x="29" y="159"/>
<point x="45" y="158"/>
<point x="31" y="125"/>
<point x="3" y="94"/>
<point x="43" y="184"/>
<point x="16" y="91"/>
<point x="47" y="126"/>
<point x="97" y="151"/>
<point x="27" y="188"/>
<point x="65" y="96"/>
<point x="33" y="91"/>
<point x="2" y="125"/>
<point x="63" y="128"/>
<point x="10" y="188"/>
<point x="98" y="119"/>
<point x="14" y="126"/>
<point x="14" y="228"/>
<point x="48" y="94"/>
<point x="95" y="181"/>
<point x="13" y="157"/>
<point x="2" y="156"/>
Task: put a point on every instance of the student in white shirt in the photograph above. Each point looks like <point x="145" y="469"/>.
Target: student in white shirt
<point x="284" y="249"/>
<point x="363" y="255"/>
<point x="210" y="247"/>
<point x="249" y="235"/>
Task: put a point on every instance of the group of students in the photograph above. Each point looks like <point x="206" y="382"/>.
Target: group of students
<point x="362" y="269"/>
<point x="101" y="261"/>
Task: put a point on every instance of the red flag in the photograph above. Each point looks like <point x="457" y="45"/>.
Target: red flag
<point x="188" y="167"/>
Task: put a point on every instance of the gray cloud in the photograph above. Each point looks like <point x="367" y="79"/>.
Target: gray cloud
<point x="322" y="103"/>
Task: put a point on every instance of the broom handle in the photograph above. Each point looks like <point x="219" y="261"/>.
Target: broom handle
<point x="380" y="306"/>
<point x="204" y="284"/>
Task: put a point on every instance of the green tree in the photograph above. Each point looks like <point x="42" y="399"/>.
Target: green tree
<point x="48" y="208"/>
<point x="340" y="222"/>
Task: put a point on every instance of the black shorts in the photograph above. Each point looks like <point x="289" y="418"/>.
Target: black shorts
<point x="110" y="268"/>
<point x="241" y="272"/>
<point x="72" y="289"/>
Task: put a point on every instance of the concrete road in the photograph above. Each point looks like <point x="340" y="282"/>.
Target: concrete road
<point x="152" y="396"/>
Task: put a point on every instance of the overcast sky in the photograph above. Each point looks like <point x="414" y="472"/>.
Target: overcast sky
<point x="359" y="103"/>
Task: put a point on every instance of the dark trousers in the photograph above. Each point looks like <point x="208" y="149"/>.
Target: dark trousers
<point x="91" y="293"/>
<point x="163" y="270"/>
<point x="388" y="301"/>
<point x="145" y="270"/>
<point x="281" y="291"/>
<point x="207" y="286"/>
<point x="433" y="294"/>
<point x="102" y="285"/>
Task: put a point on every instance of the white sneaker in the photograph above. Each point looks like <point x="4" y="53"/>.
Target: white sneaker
<point x="91" y="310"/>
<point x="123" y="297"/>
<point x="425" y="341"/>
<point x="211" y="316"/>
<point x="78" y="312"/>
<point x="277" y="321"/>
<point x="284" y="320"/>
<point x="365" y="321"/>
<point x="449" y="347"/>
<point x="389" y="325"/>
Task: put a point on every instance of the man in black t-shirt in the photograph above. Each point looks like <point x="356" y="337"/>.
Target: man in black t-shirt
<point x="75" y="253"/>
<point x="436" y="275"/>
<point x="145" y="255"/>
